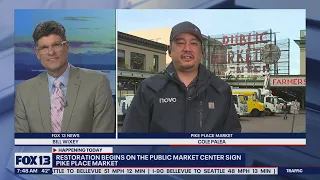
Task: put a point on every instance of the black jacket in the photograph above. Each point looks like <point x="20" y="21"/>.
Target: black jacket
<point x="162" y="105"/>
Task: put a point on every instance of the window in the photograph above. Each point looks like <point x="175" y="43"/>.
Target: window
<point x="121" y="59"/>
<point x="303" y="34"/>
<point x="254" y="97"/>
<point x="270" y="100"/>
<point x="137" y="61"/>
<point x="242" y="99"/>
<point x="235" y="99"/>
<point x="156" y="63"/>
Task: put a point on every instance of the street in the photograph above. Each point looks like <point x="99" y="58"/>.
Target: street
<point x="274" y="123"/>
<point x="266" y="124"/>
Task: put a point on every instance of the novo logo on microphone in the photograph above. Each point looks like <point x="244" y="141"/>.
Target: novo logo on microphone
<point x="168" y="100"/>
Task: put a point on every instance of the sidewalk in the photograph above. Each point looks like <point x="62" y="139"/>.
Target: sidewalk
<point x="302" y="111"/>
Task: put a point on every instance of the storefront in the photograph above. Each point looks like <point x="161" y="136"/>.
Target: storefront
<point x="138" y="59"/>
<point x="289" y="88"/>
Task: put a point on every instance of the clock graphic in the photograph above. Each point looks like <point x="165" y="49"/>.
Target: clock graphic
<point x="270" y="53"/>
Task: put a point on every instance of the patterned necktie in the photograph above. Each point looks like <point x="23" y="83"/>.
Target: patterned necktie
<point x="57" y="107"/>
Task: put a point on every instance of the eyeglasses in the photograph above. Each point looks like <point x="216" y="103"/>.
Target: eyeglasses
<point x="55" y="47"/>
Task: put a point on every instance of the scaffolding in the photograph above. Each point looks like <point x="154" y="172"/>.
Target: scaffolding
<point x="247" y="54"/>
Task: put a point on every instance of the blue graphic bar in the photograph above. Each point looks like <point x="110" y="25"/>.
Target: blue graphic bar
<point x="148" y="160"/>
<point x="33" y="171"/>
<point x="299" y="170"/>
<point x="213" y="135"/>
<point x="65" y="135"/>
<point x="160" y="136"/>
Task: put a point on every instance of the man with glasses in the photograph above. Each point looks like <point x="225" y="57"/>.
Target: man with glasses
<point x="64" y="98"/>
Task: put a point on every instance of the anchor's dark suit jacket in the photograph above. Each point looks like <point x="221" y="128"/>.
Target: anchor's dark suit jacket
<point x="89" y="108"/>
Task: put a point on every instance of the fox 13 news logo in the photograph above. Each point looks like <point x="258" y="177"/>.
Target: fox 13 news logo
<point x="33" y="160"/>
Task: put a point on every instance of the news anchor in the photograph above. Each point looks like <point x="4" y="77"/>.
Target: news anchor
<point x="186" y="97"/>
<point x="64" y="98"/>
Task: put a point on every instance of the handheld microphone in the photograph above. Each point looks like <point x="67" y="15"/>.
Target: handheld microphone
<point x="65" y="104"/>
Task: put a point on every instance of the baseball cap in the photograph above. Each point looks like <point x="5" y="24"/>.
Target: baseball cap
<point x="185" y="27"/>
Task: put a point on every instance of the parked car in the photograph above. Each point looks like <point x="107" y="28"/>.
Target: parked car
<point x="282" y="101"/>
